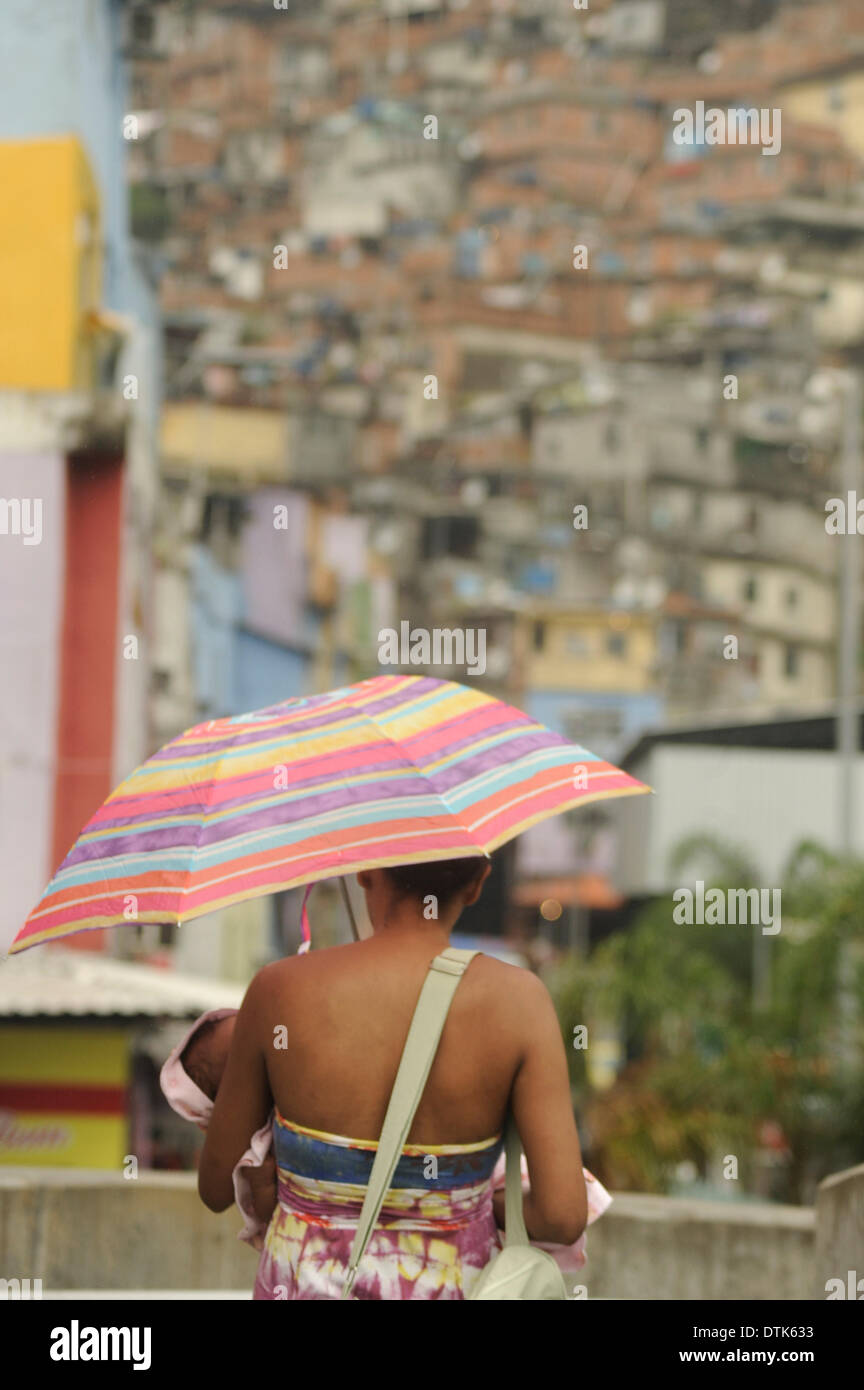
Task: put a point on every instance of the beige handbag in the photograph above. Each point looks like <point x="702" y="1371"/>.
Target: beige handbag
<point x="519" y="1271"/>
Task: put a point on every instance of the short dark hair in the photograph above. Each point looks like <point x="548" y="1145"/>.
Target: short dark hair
<point x="440" y="878"/>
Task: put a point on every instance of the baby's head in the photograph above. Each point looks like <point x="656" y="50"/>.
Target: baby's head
<point x="204" y="1056"/>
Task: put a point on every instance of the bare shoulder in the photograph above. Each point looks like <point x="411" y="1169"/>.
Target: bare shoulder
<point x="519" y="988"/>
<point x="274" y="980"/>
<point x="291" y="972"/>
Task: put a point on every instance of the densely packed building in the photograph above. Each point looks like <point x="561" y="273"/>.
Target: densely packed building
<point x="475" y="320"/>
<point x="443" y="282"/>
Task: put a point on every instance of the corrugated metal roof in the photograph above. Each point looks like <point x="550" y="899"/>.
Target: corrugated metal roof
<point x="60" y="983"/>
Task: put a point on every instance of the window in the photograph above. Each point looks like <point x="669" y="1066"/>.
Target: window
<point x="750" y="590"/>
<point x="616" y="644"/>
<point x="539" y="636"/>
<point x="791" y="662"/>
<point x="223" y="514"/>
<point x="593" y="726"/>
<point x="449" y="535"/>
<point x="528" y="26"/>
<point x="836" y="98"/>
<point x="791" y="598"/>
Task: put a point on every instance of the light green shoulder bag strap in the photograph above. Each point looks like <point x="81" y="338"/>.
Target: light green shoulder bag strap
<point x="515" y="1230"/>
<point x="418" y="1054"/>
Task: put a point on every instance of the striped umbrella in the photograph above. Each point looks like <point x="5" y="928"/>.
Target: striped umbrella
<point x="394" y="770"/>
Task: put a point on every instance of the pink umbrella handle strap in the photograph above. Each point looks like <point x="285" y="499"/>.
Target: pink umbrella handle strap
<point x="304" y="919"/>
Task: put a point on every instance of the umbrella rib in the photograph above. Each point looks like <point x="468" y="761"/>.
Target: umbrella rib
<point x="205" y="806"/>
<point x="382" y="733"/>
<point x="439" y="796"/>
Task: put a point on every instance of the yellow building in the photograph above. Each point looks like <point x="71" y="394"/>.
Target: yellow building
<point x="588" y="649"/>
<point x="835" y="100"/>
<point x="78" y="1033"/>
<point x="50" y="266"/>
<point x="63" y="1095"/>
<point x="243" y="443"/>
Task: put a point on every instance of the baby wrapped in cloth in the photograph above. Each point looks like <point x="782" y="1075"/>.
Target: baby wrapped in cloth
<point x="190" y="1079"/>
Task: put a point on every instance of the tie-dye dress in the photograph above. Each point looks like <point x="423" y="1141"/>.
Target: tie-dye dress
<point x="435" y="1233"/>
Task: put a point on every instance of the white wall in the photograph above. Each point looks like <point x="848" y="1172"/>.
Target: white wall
<point x="763" y="800"/>
<point x="31" y="579"/>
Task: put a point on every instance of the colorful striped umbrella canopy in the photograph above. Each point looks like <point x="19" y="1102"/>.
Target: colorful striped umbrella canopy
<point x="394" y="770"/>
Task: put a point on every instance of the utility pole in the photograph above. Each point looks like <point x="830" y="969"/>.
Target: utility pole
<point x="849" y="624"/>
<point x="849" y="628"/>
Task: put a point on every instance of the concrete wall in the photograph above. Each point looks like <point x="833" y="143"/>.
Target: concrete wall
<point x="91" y="1230"/>
<point x="648" y="1247"/>
<point x="840" y="1234"/>
<point x="98" y="1230"/>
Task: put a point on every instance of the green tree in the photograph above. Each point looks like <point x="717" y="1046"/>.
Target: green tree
<point x="735" y="1040"/>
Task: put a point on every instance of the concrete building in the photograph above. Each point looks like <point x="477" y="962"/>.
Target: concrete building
<point x="80" y="384"/>
<point x="461" y="339"/>
<point x="763" y="787"/>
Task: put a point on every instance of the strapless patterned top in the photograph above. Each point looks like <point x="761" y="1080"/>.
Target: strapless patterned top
<point x="435" y="1233"/>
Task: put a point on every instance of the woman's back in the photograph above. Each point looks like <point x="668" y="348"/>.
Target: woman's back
<point x="320" y="1036"/>
<point x="346" y="1014"/>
